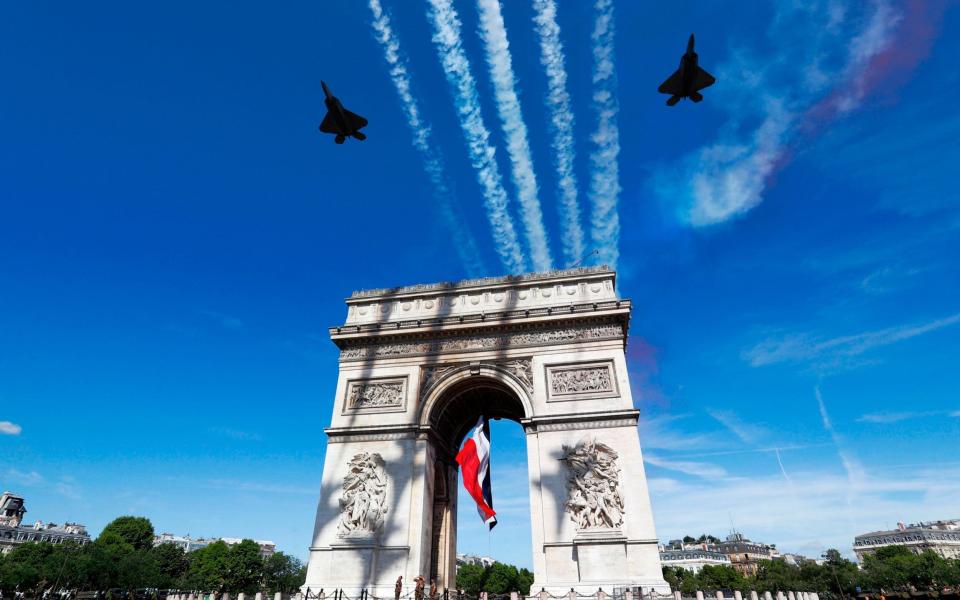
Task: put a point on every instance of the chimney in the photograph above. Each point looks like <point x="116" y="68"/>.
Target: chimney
<point x="901" y="526"/>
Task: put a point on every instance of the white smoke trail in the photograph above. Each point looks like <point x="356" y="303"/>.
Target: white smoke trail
<point x="494" y="35"/>
<point x="432" y="161"/>
<point x="561" y="125"/>
<point x="605" y="172"/>
<point x="446" y="37"/>
<point x="855" y="472"/>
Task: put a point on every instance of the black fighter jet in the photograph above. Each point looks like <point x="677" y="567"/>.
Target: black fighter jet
<point x="688" y="80"/>
<point x="339" y="120"/>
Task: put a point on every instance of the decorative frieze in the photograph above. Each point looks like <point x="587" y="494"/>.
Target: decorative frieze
<point x="521" y="368"/>
<point x="376" y="395"/>
<point x="581" y="381"/>
<point x="593" y="486"/>
<point x="483" y="342"/>
<point x="363" y="503"/>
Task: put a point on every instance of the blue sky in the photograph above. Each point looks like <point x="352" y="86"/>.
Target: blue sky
<point x="176" y="237"/>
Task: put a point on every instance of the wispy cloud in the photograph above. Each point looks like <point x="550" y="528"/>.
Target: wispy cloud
<point x="697" y="469"/>
<point x="494" y="34"/>
<point x="604" y="168"/>
<point x="9" y="428"/>
<point x="661" y="432"/>
<point x="463" y="240"/>
<point x="885" y="418"/>
<point x="852" y="467"/>
<point x="807" y="522"/>
<point x="561" y="126"/>
<point x="456" y="67"/>
<point x="830" y="43"/>
<point x="747" y="432"/>
<point x="806" y="347"/>
<point x="26" y="478"/>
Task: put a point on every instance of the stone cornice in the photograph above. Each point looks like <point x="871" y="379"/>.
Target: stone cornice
<point x="481" y="284"/>
<point x="480" y="321"/>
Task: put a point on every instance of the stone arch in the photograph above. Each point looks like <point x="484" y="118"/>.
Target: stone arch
<point x="509" y="397"/>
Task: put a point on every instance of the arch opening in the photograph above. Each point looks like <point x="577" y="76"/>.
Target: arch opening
<point x="457" y="411"/>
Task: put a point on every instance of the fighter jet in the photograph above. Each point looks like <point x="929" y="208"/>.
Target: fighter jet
<point x="339" y="120"/>
<point x="688" y="80"/>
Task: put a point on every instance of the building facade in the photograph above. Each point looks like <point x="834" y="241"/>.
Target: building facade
<point x="943" y="537"/>
<point x="692" y="558"/>
<point x="744" y="554"/>
<point x="189" y="544"/>
<point x="13" y="532"/>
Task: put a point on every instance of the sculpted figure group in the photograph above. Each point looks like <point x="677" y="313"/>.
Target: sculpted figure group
<point x="593" y="486"/>
<point x="363" y="503"/>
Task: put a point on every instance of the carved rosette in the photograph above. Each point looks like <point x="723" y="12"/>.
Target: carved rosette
<point x="593" y="501"/>
<point x="363" y="503"/>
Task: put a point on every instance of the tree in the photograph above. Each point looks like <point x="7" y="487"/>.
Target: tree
<point x="208" y="567"/>
<point x="244" y="567"/>
<point x="136" y="531"/>
<point x="471" y="578"/>
<point x="172" y="564"/>
<point x="282" y="573"/>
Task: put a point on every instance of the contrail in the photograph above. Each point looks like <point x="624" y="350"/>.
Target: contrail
<point x="446" y="37"/>
<point x="853" y="468"/>
<point x="432" y="160"/>
<point x="605" y="173"/>
<point x="561" y="126"/>
<point x="494" y="35"/>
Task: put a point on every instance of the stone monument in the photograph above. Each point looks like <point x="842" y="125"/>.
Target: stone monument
<point x="418" y="366"/>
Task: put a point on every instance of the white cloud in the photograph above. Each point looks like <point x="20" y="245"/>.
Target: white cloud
<point x="456" y="67"/>
<point x="604" y="168"/>
<point x="27" y="478"/>
<point x="659" y="432"/>
<point x="697" y="469"/>
<point x="893" y="417"/>
<point x="813" y="520"/>
<point x="561" y="125"/>
<point x="464" y="242"/>
<point x="806" y="347"/>
<point x="9" y="428"/>
<point x="747" y="432"/>
<point x="494" y="34"/>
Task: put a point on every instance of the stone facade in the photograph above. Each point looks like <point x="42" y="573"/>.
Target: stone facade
<point x="418" y="366"/>
<point x="943" y="537"/>
<point x="14" y="533"/>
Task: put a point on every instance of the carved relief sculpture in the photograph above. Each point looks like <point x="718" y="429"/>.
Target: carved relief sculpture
<point x="366" y="394"/>
<point x="589" y="379"/>
<point x="593" y="486"/>
<point x="363" y="502"/>
<point x="522" y="369"/>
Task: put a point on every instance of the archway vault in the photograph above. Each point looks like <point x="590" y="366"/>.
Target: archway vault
<point x="459" y="395"/>
<point x="418" y="366"/>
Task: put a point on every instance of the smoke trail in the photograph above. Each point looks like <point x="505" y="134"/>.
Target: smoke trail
<point x="852" y="466"/>
<point x="605" y="173"/>
<point x="494" y="35"/>
<point x="432" y="160"/>
<point x="446" y="37"/>
<point x="561" y="125"/>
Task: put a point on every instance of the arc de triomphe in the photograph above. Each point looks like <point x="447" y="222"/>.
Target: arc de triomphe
<point x="418" y="366"/>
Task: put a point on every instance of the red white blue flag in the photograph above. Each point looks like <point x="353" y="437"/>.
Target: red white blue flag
<point x="474" y="461"/>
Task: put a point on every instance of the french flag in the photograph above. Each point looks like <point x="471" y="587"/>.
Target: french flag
<point x="474" y="461"/>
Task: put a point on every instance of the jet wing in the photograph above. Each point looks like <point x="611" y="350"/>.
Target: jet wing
<point x="673" y="85"/>
<point x="355" y="120"/>
<point x="702" y="80"/>
<point x="329" y="125"/>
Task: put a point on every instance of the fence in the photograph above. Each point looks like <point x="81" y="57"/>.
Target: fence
<point x="600" y="594"/>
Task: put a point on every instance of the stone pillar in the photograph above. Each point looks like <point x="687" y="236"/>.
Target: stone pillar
<point x="719" y="595"/>
<point x="676" y="595"/>
<point x="259" y="596"/>
<point x="753" y="595"/>
<point x="791" y="596"/>
<point x="736" y="595"/>
<point x="543" y="595"/>
<point x="628" y="595"/>
<point x="278" y="596"/>
<point x="780" y="596"/>
<point x="241" y="596"/>
<point x="601" y="595"/>
<point x="767" y="596"/>
<point x="699" y="595"/>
